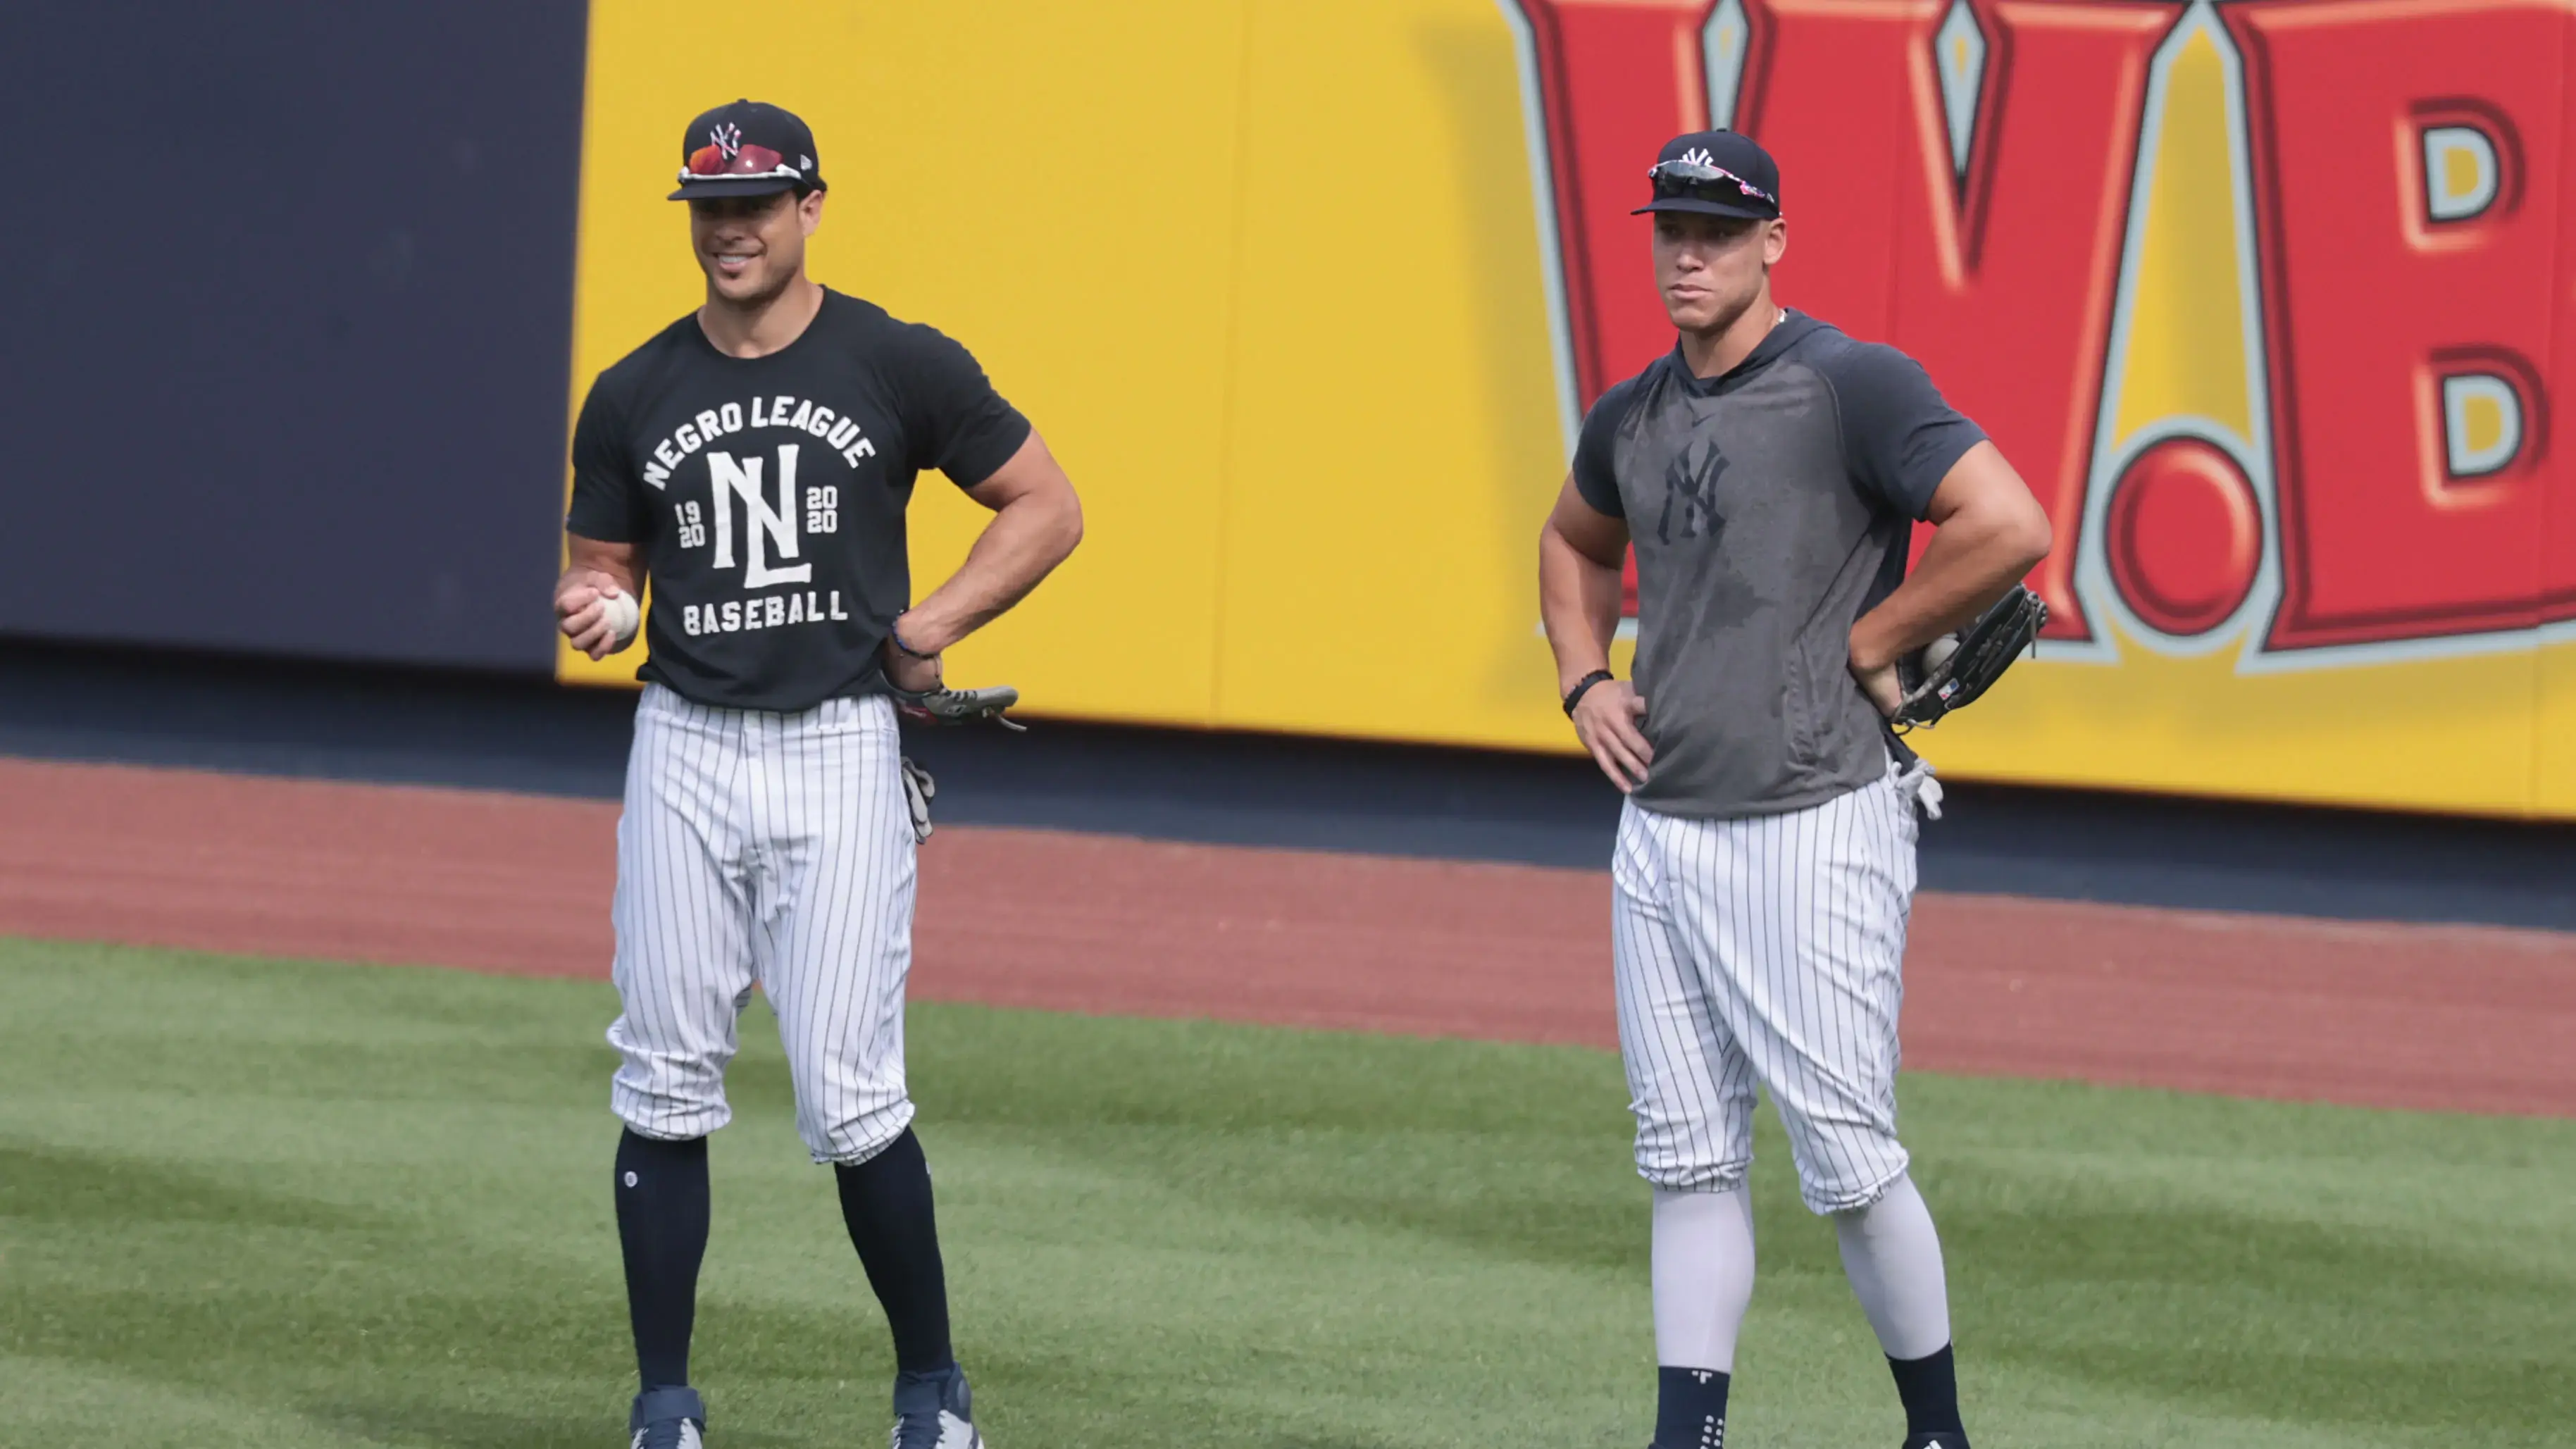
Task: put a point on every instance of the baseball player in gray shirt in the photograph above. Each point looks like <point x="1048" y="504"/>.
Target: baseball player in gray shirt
<point x="1768" y="472"/>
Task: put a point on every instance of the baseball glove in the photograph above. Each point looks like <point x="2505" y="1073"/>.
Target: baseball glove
<point x="918" y="787"/>
<point x="959" y="706"/>
<point x="1951" y="671"/>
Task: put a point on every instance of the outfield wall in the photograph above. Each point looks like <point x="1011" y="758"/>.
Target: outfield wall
<point x="286" y="306"/>
<point x="2269" y="301"/>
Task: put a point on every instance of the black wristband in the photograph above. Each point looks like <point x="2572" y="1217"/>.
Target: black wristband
<point x="894" y="632"/>
<point x="1572" y="696"/>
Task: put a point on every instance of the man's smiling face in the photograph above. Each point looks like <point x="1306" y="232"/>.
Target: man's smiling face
<point x="751" y="247"/>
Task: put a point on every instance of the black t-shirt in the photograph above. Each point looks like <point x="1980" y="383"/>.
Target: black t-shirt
<point x="767" y="494"/>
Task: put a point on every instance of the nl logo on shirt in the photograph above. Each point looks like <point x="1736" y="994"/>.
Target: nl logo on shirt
<point x="2265" y="300"/>
<point x="755" y="504"/>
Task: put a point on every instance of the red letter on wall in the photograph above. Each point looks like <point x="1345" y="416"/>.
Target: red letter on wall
<point x="2007" y="268"/>
<point x="2407" y="157"/>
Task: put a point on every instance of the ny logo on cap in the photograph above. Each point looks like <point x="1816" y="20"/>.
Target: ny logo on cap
<point x="727" y="138"/>
<point x="1699" y="156"/>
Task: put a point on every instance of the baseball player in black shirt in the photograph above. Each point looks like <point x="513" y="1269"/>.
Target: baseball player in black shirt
<point x="753" y="461"/>
<point x="1768" y="471"/>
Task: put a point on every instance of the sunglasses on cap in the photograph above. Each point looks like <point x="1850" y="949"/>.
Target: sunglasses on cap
<point x="1700" y="181"/>
<point x="709" y="161"/>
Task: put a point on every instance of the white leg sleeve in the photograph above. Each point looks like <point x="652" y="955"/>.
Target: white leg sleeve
<point x="1893" y="1257"/>
<point x="1703" y="1276"/>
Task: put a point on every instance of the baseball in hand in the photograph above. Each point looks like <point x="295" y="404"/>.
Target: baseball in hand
<point x="622" y="614"/>
<point x="1939" y="651"/>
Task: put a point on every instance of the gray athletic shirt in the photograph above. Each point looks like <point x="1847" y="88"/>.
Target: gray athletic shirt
<point x="1771" y="507"/>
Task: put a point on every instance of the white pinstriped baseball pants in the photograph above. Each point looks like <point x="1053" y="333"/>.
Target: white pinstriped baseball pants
<point x="766" y="848"/>
<point x="1766" y="950"/>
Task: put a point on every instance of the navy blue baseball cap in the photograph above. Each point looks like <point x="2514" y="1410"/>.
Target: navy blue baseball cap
<point x="748" y="148"/>
<point x="1715" y="173"/>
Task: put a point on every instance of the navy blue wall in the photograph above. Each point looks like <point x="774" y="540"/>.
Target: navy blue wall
<point x="285" y="323"/>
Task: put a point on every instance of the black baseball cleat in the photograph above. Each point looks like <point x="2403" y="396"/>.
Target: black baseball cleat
<point x="1938" y="1439"/>
<point x="934" y="1411"/>
<point x="668" y="1419"/>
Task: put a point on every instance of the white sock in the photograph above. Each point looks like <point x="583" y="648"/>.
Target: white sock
<point x="1703" y="1276"/>
<point x="1893" y="1257"/>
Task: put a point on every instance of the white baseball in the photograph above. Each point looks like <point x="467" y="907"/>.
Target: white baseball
<point x="623" y="616"/>
<point x="1939" y="650"/>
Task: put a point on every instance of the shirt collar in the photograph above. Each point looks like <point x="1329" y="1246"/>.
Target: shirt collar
<point x="1793" y="325"/>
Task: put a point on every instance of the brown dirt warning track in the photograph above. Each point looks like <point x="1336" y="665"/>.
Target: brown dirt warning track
<point x="2456" y="1017"/>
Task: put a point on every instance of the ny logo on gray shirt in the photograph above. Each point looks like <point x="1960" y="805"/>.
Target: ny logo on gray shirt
<point x="1690" y="484"/>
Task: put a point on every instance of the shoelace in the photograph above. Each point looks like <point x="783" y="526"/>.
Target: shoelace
<point x="924" y="1430"/>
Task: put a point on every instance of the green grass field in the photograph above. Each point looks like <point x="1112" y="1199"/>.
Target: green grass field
<point x="287" y="1204"/>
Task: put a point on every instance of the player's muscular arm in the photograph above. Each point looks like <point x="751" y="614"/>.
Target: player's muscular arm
<point x="593" y="571"/>
<point x="1037" y="520"/>
<point x="1988" y="532"/>
<point x="1579" y="556"/>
